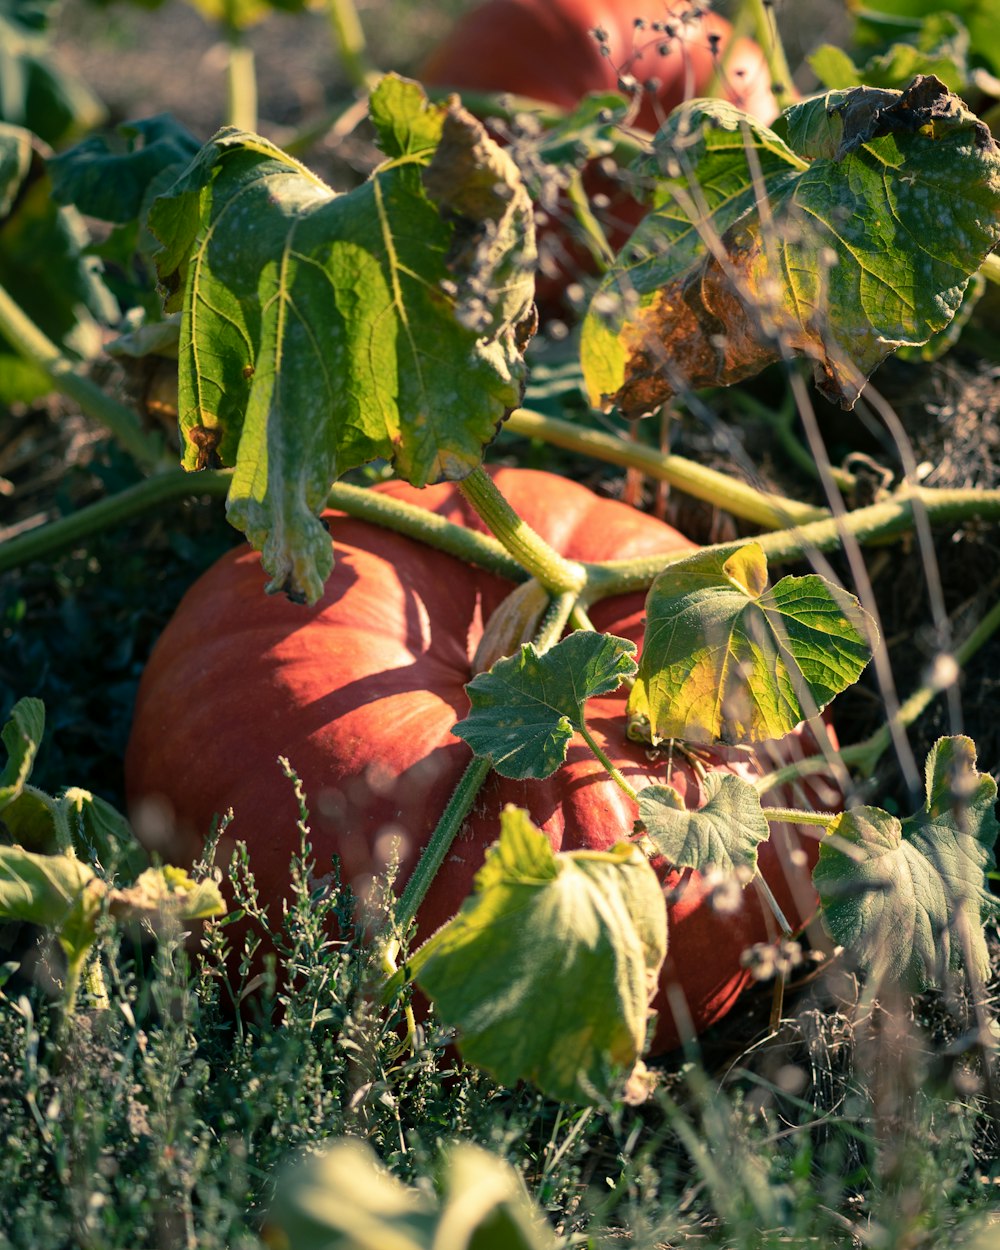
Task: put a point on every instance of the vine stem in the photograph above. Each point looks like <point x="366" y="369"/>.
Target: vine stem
<point x="36" y="347"/>
<point x="765" y="29"/>
<point x="557" y="574"/>
<point x="797" y="816"/>
<point x="452" y="818"/>
<point x="349" y="38"/>
<point x="615" y="773"/>
<point x="876" y="523"/>
<point x="241" y="83"/>
<point x="761" y="507"/>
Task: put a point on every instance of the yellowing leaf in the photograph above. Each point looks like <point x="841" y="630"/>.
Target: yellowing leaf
<point x="571" y="943"/>
<point x="727" y="660"/>
<point x="849" y="230"/>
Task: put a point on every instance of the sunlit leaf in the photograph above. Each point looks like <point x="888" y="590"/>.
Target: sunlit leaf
<point x="908" y="898"/>
<point x="570" y="942"/>
<point x="724" y="833"/>
<point x="102" y="834"/>
<point x="166" y="893"/>
<point x="526" y="708"/>
<point x="51" y="891"/>
<point x="849" y="230"/>
<point x="341" y="1197"/>
<point x="727" y="659"/>
<point x="321" y="331"/>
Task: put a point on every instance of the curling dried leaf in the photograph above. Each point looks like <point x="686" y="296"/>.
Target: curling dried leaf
<point x="908" y="898"/>
<point x="321" y="331"/>
<point x="526" y="708"/>
<point x="853" y="231"/>
<point x="728" y="659"/>
<point x="570" y="942"/>
<point x="724" y="833"/>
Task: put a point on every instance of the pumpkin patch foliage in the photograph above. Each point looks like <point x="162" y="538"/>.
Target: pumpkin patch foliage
<point x="467" y="801"/>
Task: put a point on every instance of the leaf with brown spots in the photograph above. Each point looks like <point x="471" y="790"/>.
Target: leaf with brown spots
<point x="849" y="230"/>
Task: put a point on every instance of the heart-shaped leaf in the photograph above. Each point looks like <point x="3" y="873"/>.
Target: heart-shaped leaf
<point x="527" y="707"/>
<point x="571" y="942"/>
<point x="725" y="659"/>
<point x="908" y="898"/>
<point x="321" y="331"/>
<point x="849" y="230"/>
<point x="724" y="833"/>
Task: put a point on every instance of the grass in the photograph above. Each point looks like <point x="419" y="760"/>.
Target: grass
<point x="161" y="1120"/>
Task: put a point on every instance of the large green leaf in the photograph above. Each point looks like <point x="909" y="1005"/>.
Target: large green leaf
<point x="849" y="230"/>
<point x="527" y="707"/>
<point x="908" y="898"/>
<point x="341" y="1197"/>
<point x="727" y="659"/>
<point x="548" y="969"/>
<point x="724" y="833"/>
<point x="44" y="266"/>
<point x="321" y="331"/>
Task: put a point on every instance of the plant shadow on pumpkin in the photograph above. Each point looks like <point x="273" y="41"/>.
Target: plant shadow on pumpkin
<point x="362" y="698"/>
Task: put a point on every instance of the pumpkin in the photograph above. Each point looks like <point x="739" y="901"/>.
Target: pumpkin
<point x="361" y="691"/>
<point x="547" y="50"/>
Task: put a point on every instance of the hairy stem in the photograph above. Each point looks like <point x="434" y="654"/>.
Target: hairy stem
<point x="761" y="507"/>
<point x="615" y="773"/>
<point x="452" y="819"/>
<point x="765" y="30"/>
<point x="875" y="524"/>
<point x="529" y="549"/>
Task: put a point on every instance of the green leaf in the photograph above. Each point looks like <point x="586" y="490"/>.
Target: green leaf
<point x="548" y="969"/>
<point x="51" y="891"/>
<point x="102" y="834"/>
<point x="725" y="659"/>
<point x="527" y="707"/>
<point x="112" y="176"/>
<point x="343" y="1198"/>
<point x="940" y="47"/>
<point x="908" y="898"/>
<point x="44" y="267"/>
<point x="385" y="323"/>
<point x="22" y="736"/>
<point x="854" y="230"/>
<point x="724" y="833"/>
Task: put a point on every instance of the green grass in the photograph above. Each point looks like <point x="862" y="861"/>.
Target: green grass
<point x="160" y="1121"/>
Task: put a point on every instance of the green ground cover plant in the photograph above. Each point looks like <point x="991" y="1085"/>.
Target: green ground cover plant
<point x="446" y="973"/>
